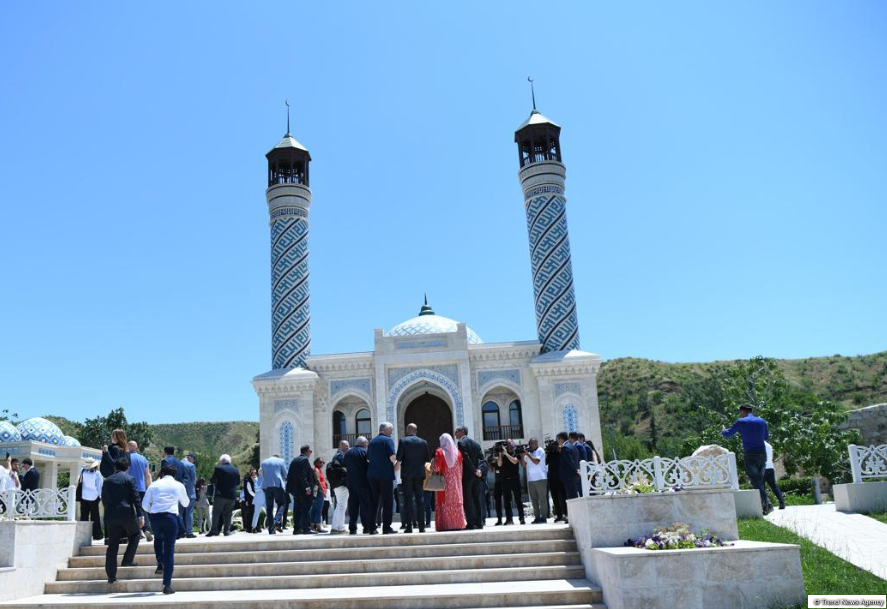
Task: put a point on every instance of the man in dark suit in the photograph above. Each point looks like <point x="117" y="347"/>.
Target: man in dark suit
<point x="581" y="453"/>
<point x="169" y="459"/>
<point x="188" y="473"/>
<point x="472" y="479"/>
<point x="380" y="476"/>
<point x="123" y="517"/>
<point x="568" y="468"/>
<point x="356" y="466"/>
<point x="300" y="483"/>
<point x="31" y="478"/>
<point x="225" y="479"/>
<point x="412" y="455"/>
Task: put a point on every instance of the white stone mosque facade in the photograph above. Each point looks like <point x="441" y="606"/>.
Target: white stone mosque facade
<point x="430" y="370"/>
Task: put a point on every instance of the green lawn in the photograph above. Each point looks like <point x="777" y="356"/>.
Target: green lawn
<point x="881" y="516"/>
<point x="824" y="573"/>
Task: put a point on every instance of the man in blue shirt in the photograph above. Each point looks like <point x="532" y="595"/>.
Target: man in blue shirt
<point x="273" y="482"/>
<point x="189" y="479"/>
<point x="139" y="470"/>
<point x="753" y="431"/>
<point x="380" y="476"/>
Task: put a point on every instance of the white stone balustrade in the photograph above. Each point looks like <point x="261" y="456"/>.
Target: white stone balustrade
<point x="17" y="504"/>
<point x="868" y="462"/>
<point x="688" y="473"/>
<point x="868" y="491"/>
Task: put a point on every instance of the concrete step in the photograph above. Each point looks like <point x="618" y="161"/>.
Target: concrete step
<point x="286" y="541"/>
<point x="245" y="554"/>
<point x="559" y="593"/>
<point x="333" y="580"/>
<point x="321" y="567"/>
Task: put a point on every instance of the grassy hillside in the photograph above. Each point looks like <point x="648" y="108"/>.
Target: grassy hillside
<point x="643" y="400"/>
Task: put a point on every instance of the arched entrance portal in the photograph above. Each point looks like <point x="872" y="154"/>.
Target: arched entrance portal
<point x="432" y="415"/>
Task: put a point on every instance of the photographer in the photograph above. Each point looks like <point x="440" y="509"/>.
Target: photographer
<point x="555" y="486"/>
<point x="508" y="461"/>
<point x="537" y="481"/>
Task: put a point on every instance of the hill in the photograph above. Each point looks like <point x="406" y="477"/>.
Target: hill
<point x="644" y="400"/>
<point x="643" y="404"/>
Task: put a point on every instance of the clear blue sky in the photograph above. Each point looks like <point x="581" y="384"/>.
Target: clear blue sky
<point x="726" y="163"/>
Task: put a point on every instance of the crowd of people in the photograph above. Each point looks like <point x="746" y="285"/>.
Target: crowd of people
<point x="359" y="488"/>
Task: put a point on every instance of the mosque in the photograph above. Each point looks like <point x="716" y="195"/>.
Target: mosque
<point x="429" y="370"/>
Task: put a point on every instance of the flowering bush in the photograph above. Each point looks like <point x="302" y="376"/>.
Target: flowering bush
<point x="677" y="537"/>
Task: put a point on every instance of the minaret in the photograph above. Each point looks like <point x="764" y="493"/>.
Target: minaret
<point x="542" y="177"/>
<point x="289" y="198"/>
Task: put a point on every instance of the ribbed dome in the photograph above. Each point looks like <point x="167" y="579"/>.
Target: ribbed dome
<point x="429" y="323"/>
<point x="41" y="430"/>
<point x="8" y="432"/>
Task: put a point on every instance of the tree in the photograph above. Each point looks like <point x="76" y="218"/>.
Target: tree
<point x="5" y="415"/>
<point x="803" y="428"/>
<point x="97" y="431"/>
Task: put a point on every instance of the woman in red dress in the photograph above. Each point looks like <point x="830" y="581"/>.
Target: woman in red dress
<point x="449" y="515"/>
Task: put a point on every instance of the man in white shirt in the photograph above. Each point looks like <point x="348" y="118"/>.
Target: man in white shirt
<point x="770" y="475"/>
<point x="161" y="502"/>
<point x="537" y="480"/>
<point x="91" y="496"/>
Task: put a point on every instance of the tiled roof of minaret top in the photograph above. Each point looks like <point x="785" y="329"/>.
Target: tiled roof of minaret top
<point x="537" y="118"/>
<point x="289" y="141"/>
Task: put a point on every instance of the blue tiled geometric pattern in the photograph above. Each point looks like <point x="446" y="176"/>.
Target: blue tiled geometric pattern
<point x="290" y="404"/>
<point x="424" y="374"/>
<point x="361" y="384"/>
<point x="287" y="440"/>
<point x="571" y="418"/>
<point x="290" y="314"/>
<point x="41" y="430"/>
<point x="448" y="370"/>
<point x="556" y="320"/>
<point x="69" y="441"/>
<point x="8" y="432"/>
<point x="485" y="376"/>
<point x="562" y="388"/>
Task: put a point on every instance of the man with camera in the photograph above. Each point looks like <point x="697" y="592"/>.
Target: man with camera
<point x="537" y="481"/>
<point x="508" y="458"/>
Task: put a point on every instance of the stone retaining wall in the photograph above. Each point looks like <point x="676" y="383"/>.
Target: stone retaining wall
<point x="871" y="422"/>
<point x="32" y="551"/>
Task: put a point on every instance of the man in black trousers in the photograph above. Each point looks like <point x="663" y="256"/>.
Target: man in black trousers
<point x="123" y="517"/>
<point x="413" y="454"/>
<point x="300" y="483"/>
<point x="568" y="466"/>
<point x="473" y="466"/>
<point x="359" y="504"/>
<point x="225" y="479"/>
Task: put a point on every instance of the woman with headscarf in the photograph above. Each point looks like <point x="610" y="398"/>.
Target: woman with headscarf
<point x="449" y="515"/>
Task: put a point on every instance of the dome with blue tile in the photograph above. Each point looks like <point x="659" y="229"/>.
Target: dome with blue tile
<point x="427" y="322"/>
<point x="40" y="430"/>
<point x="71" y="441"/>
<point x="8" y="432"/>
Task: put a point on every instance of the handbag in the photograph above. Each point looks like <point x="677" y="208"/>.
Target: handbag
<point x="435" y="482"/>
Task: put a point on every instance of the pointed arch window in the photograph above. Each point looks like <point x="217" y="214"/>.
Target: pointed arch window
<point x="492" y="422"/>
<point x="364" y="423"/>
<point x="339" y="427"/>
<point x="516" y="420"/>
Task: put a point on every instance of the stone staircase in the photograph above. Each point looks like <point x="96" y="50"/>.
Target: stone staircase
<point x="528" y="567"/>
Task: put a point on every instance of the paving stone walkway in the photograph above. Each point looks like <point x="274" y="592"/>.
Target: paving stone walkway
<point x="858" y="539"/>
